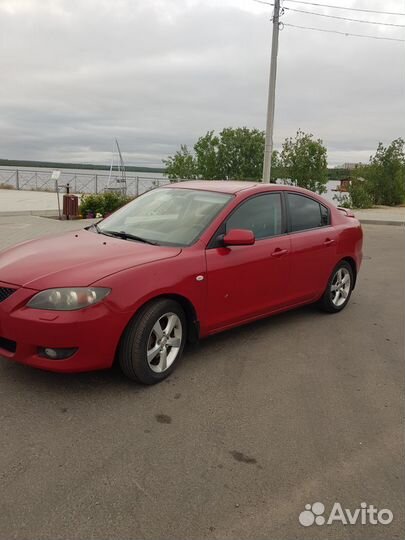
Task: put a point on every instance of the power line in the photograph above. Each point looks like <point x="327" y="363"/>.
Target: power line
<point x="330" y="16"/>
<point x="341" y="33"/>
<point x="343" y="7"/>
<point x="342" y="18"/>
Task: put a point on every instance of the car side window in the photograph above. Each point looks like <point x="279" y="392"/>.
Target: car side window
<point x="306" y="213"/>
<point x="325" y="215"/>
<point x="261" y="214"/>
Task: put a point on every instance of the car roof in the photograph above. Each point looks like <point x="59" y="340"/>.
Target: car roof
<point x="236" y="186"/>
<point x="222" y="186"/>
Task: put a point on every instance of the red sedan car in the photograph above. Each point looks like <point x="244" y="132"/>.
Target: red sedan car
<point x="178" y="263"/>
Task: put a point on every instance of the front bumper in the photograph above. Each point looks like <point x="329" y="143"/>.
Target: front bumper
<point x="94" y="331"/>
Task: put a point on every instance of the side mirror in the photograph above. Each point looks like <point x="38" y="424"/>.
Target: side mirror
<point x="239" y="237"/>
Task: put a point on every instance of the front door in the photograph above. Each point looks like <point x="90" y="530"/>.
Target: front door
<point x="247" y="281"/>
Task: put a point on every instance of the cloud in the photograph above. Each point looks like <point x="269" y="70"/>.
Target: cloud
<point x="158" y="73"/>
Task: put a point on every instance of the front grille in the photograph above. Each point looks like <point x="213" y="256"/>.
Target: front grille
<point x="8" y="345"/>
<point x="5" y="292"/>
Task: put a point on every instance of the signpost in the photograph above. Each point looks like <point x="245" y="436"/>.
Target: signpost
<point x="55" y="176"/>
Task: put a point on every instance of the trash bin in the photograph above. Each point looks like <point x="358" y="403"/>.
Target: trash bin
<point x="70" y="206"/>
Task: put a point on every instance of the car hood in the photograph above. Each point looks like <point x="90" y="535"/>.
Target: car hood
<point x="74" y="259"/>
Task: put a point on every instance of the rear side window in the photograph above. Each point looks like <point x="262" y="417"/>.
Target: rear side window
<point x="261" y="214"/>
<point x="306" y="213"/>
<point x="324" y="215"/>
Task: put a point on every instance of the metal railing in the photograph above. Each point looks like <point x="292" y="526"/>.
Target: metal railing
<point x="79" y="182"/>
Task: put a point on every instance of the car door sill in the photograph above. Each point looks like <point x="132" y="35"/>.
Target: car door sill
<point x="258" y="317"/>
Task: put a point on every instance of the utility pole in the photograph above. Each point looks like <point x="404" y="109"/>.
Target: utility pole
<point x="268" y="147"/>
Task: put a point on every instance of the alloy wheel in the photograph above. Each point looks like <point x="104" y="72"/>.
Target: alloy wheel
<point x="164" y="342"/>
<point x="340" y="287"/>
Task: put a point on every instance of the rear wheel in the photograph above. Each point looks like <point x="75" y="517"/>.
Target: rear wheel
<point x="153" y="342"/>
<point x="339" y="288"/>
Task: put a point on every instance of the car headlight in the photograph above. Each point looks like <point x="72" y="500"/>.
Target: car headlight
<point x="68" y="299"/>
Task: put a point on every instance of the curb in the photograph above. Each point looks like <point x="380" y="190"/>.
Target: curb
<point x="381" y="222"/>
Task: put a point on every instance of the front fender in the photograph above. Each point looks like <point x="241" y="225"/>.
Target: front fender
<point x="132" y="288"/>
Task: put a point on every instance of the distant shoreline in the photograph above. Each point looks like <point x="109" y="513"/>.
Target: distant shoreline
<point x="56" y="165"/>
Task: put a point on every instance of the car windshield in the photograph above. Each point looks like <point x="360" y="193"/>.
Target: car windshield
<point x="174" y="217"/>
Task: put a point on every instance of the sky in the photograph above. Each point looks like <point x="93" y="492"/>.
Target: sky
<point x="159" y="73"/>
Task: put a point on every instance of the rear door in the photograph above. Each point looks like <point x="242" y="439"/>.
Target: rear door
<point x="246" y="281"/>
<point x="313" y="246"/>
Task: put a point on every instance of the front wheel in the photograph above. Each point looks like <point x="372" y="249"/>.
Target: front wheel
<point x="339" y="288"/>
<point x="153" y="342"/>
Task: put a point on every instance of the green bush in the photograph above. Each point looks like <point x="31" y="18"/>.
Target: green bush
<point x="342" y="200"/>
<point x="102" y="203"/>
<point x="385" y="174"/>
<point x="360" y="194"/>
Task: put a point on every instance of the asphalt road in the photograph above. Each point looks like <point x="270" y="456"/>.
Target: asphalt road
<point x="255" y="423"/>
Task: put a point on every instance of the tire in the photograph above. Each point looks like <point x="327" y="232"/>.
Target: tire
<point x="339" y="288"/>
<point x="159" y="329"/>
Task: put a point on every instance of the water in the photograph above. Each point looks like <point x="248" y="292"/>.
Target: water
<point x="95" y="181"/>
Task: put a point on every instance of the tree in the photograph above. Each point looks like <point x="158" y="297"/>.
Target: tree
<point x="236" y="153"/>
<point x="385" y="175"/>
<point x="181" y="165"/>
<point x="303" y="160"/>
<point x="206" y="156"/>
<point x="240" y="153"/>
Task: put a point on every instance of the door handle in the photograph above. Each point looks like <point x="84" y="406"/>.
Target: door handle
<point x="278" y="252"/>
<point x="329" y="242"/>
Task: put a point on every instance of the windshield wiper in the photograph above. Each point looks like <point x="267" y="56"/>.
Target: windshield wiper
<point x="128" y="236"/>
<point x="94" y="226"/>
